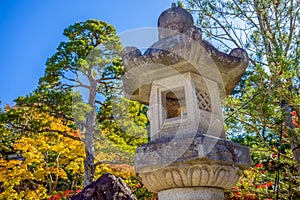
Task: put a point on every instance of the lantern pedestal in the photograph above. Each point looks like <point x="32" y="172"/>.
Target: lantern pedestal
<point x="196" y="168"/>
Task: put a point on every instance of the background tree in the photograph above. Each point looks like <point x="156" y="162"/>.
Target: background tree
<point x="71" y="61"/>
<point x="89" y="66"/>
<point x="58" y="115"/>
<point x="269" y="31"/>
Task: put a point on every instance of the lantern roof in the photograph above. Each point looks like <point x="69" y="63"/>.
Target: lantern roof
<point x="180" y="49"/>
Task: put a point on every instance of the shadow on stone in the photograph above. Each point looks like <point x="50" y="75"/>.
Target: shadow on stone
<point x="107" y="187"/>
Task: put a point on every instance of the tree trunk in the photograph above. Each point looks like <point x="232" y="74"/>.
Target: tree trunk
<point x="89" y="167"/>
<point x="294" y="139"/>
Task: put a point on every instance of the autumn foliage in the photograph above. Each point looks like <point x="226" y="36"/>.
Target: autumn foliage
<point x="50" y="165"/>
<point x="48" y="161"/>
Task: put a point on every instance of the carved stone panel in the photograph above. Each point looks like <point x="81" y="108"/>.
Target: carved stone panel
<point x="203" y="100"/>
<point x="191" y="175"/>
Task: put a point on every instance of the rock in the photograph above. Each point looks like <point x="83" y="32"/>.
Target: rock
<point x="107" y="187"/>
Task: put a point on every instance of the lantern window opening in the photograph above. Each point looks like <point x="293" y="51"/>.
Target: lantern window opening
<point x="174" y="104"/>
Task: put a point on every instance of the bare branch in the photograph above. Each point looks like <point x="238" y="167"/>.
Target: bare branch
<point x="259" y="135"/>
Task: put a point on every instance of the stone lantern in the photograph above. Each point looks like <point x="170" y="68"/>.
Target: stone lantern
<point x="183" y="79"/>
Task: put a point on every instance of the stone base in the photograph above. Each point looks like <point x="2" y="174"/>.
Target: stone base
<point x="191" y="162"/>
<point x="193" y="193"/>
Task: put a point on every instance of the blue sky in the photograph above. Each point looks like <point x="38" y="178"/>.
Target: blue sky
<point x="31" y="30"/>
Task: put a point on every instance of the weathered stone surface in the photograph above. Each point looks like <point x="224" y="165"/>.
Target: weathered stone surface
<point x="184" y="148"/>
<point x="107" y="187"/>
<point x="183" y="79"/>
<point x="191" y="174"/>
<point x="180" y="47"/>
<point x="174" y="18"/>
<point x="194" y="193"/>
<point x="200" y="101"/>
<point x="187" y="162"/>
